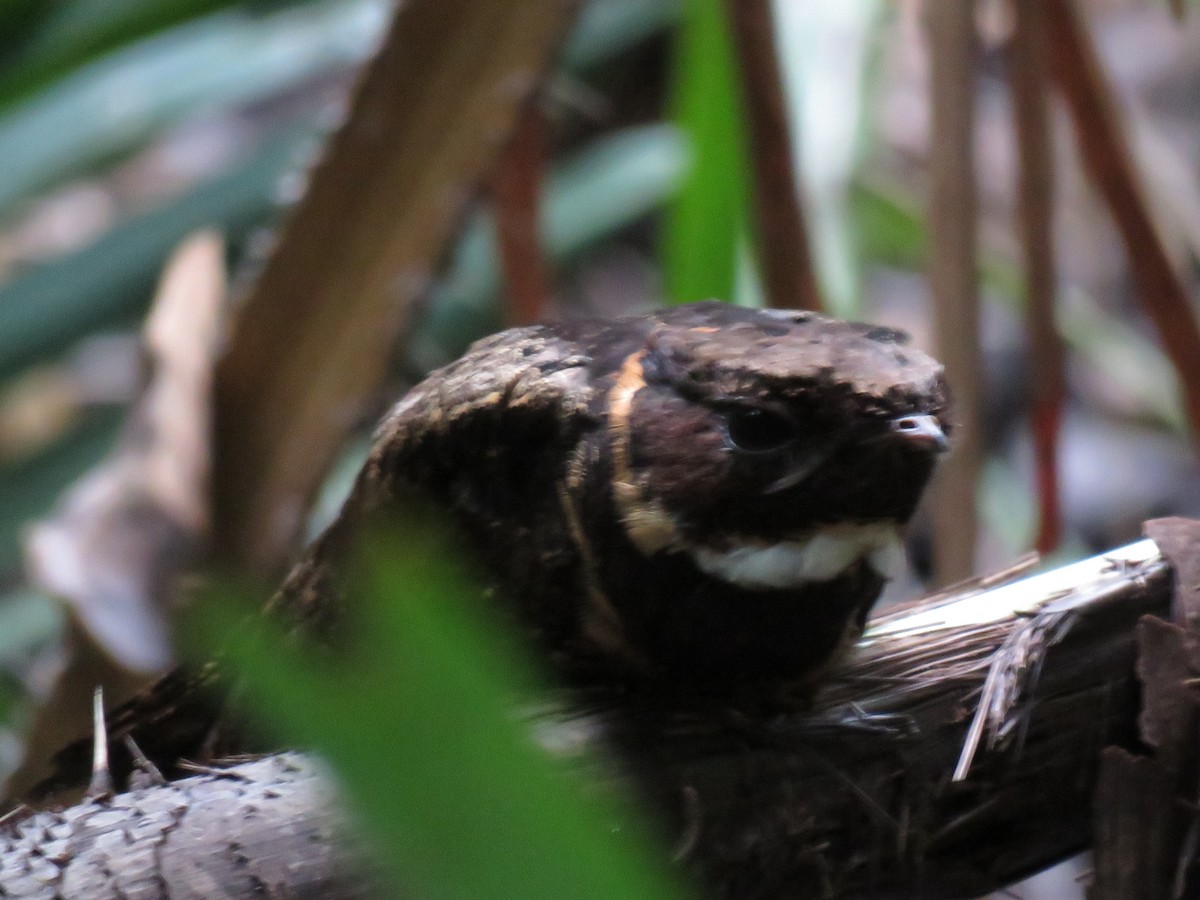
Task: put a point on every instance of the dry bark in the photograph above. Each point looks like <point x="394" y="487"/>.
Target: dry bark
<point x="957" y="750"/>
<point x="261" y="829"/>
<point x="1147" y="832"/>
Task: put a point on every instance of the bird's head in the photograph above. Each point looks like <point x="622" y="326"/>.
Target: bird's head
<point x="774" y="454"/>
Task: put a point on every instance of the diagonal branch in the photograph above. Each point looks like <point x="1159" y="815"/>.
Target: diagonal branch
<point x="1109" y="164"/>
<point x="1029" y="77"/>
<point x="310" y="342"/>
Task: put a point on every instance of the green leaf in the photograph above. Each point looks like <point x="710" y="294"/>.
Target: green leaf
<point x="605" y="29"/>
<point x="116" y="103"/>
<point x="700" y="244"/>
<point x="29" y="488"/>
<point x="888" y="230"/>
<point x="28" y="621"/>
<point x="828" y="52"/>
<point x="421" y="725"/>
<point x="69" y="34"/>
<point x="18" y="15"/>
<point x="111" y="281"/>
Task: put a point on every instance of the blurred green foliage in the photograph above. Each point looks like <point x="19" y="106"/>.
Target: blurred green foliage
<point x="418" y="714"/>
<point x="890" y="228"/>
<point x="109" y="282"/>
<point x="106" y="108"/>
<point x="55" y="37"/>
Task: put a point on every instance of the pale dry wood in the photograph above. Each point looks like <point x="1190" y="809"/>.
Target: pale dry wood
<point x="856" y="797"/>
<point x="265" y="828"/>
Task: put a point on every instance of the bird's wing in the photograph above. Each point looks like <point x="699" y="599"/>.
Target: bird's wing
<point x="482" y="438"/>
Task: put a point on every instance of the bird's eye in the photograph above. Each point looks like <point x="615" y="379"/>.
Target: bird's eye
<point x="756" y="430"/>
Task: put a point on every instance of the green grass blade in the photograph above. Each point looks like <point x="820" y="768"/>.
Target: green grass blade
<point x="421" y="728"/>
<point x="231" y="58"/>
<point x="700" y="244"/>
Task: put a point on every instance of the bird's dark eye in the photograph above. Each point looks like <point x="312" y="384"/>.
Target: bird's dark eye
<point x="756" y="430"/>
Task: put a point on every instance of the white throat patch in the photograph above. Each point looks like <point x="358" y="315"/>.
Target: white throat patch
<point x="821" y="555"/>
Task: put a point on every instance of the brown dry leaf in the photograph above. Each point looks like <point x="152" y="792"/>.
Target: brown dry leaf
<point x="120" y="534"/>
<point x="119" y="540"/>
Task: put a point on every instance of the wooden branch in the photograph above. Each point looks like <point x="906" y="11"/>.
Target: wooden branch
<point x="434" y="109"/>
<point x="1110" y="165"/>
<point x="264" y="828"/>
<point x="954" y="752"/>
<point x="516" y="194"/>
<point x="861" y="795"/>
<point x="952" y="213"/>
<point x="1029" y="79"/>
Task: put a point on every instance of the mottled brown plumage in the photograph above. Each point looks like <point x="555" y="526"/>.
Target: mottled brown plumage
<point x="588" y="461"/>
<point x="701" y="496"/>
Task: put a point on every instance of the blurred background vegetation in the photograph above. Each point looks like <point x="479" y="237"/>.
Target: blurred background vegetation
<point x="125" y="126"/>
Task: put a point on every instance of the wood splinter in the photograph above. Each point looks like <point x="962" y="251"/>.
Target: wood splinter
<point x="101" y="786"/>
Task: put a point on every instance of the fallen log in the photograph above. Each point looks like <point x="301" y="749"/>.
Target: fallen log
<point x="955" y="751"/>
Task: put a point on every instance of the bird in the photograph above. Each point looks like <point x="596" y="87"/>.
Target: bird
<point x="694" y="499"/>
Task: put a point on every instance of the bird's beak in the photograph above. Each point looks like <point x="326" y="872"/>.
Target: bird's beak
<point x="922" y="431"/>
